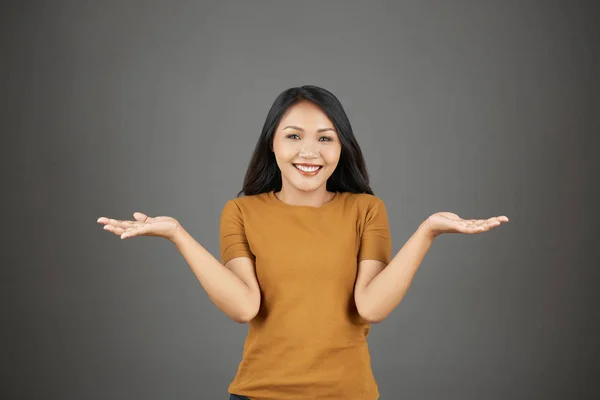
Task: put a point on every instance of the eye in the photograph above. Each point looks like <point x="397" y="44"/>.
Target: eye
<point x="293" y="136"/>
<point x="325" y="139"/>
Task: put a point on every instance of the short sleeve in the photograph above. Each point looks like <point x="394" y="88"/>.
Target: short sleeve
<point x="233" y="241"/>
<point x="376" y="243"/>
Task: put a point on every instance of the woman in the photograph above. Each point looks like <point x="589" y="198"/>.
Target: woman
<point x="305" y="255"/>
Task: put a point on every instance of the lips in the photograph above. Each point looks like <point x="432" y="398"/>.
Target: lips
<point x="308" y="169"/>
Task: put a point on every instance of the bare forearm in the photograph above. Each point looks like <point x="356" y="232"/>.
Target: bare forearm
<point x="229" y="293"/>
<point x="388" y="287"/>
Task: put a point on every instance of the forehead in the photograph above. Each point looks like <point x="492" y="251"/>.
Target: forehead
<point x="305" y="114"/>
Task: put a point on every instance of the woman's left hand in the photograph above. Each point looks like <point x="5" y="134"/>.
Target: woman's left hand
<point x="447" y="222"/>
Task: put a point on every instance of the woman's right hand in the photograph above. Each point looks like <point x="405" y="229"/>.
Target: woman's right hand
<point x="143" y="225"/>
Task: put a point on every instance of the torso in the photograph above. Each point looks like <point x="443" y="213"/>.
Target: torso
<point x="308" y="336"/>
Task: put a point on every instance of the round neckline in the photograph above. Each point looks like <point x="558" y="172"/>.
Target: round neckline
<point x="275" y="200"/>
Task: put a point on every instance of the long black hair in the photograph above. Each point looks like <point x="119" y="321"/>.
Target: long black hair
<point x="350" y="175"/>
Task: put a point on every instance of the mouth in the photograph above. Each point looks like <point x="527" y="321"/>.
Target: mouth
<point x="308" y="169"/>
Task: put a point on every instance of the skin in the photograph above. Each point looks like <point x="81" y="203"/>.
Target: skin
<point x="305" y="135"/>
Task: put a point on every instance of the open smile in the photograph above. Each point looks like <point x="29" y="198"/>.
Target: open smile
<point x="308" y="169"/>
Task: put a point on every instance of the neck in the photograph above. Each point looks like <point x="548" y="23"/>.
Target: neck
<point x="295" y="197"/>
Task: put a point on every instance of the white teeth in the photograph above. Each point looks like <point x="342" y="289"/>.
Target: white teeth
<point x="307" y="169"/>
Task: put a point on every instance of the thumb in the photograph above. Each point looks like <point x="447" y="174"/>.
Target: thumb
<point x="140" y="216"/>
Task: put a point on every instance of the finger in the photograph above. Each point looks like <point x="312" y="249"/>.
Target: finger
<point x="135" y="231"/>
<point x="114" y="229"/>
<point x="127" y="234"/>
<point x="123" y="224"/>
<point x="475" y="226"/>
<point x="496" y="221"/>
<point x="474" y="229"/>
<point x="499" y="219"/>
<point x="481" y="225"/>
<point x="492" y="222"/>
<point x="488" y="224"/>
<point x="140" y="216"/>
<point x="472" y="224"/>
<point x="114" y="222"/>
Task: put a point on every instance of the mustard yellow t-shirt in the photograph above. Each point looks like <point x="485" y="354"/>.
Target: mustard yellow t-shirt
<point x="307" y="341"/>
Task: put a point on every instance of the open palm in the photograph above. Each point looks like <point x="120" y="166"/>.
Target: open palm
<point x="447" y="222"/>
<point x="142" y="226"/>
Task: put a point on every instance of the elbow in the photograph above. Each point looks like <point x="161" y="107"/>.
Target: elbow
<point x="370" y="315"/>
<point x="240" y="319"/>
<point x="245" y="315"/>
<point x="373" y="318"/>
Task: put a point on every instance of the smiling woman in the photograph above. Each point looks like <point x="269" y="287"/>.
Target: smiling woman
<point x="306" y="134"/>
<point x="303" y="150"/>
<point x="305" y="255"/>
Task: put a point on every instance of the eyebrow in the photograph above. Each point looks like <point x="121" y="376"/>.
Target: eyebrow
<point x="300" y="129"/>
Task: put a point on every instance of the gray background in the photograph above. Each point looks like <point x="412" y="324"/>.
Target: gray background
<point x="481" y="108"/>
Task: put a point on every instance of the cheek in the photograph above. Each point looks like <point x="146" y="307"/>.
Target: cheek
<point x="331" y="155"/>
<point x="284" y="153"/>
<point x="284" y="156"/>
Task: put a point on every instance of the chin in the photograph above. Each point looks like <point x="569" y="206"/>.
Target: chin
<point x="306" y="185"/>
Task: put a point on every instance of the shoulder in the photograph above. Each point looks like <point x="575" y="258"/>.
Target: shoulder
<point x="245" y="204"/>
<point x="364" y="207"/>
<point x="363" y="201"/>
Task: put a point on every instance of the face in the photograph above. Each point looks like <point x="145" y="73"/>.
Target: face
<point x="307" y="147"/>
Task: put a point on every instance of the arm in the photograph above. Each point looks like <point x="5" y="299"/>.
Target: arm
<point x="233" y="287"/>
<point x="379" y="289"/>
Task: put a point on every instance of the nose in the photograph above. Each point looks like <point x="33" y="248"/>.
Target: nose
<point x="309" y="150"/>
